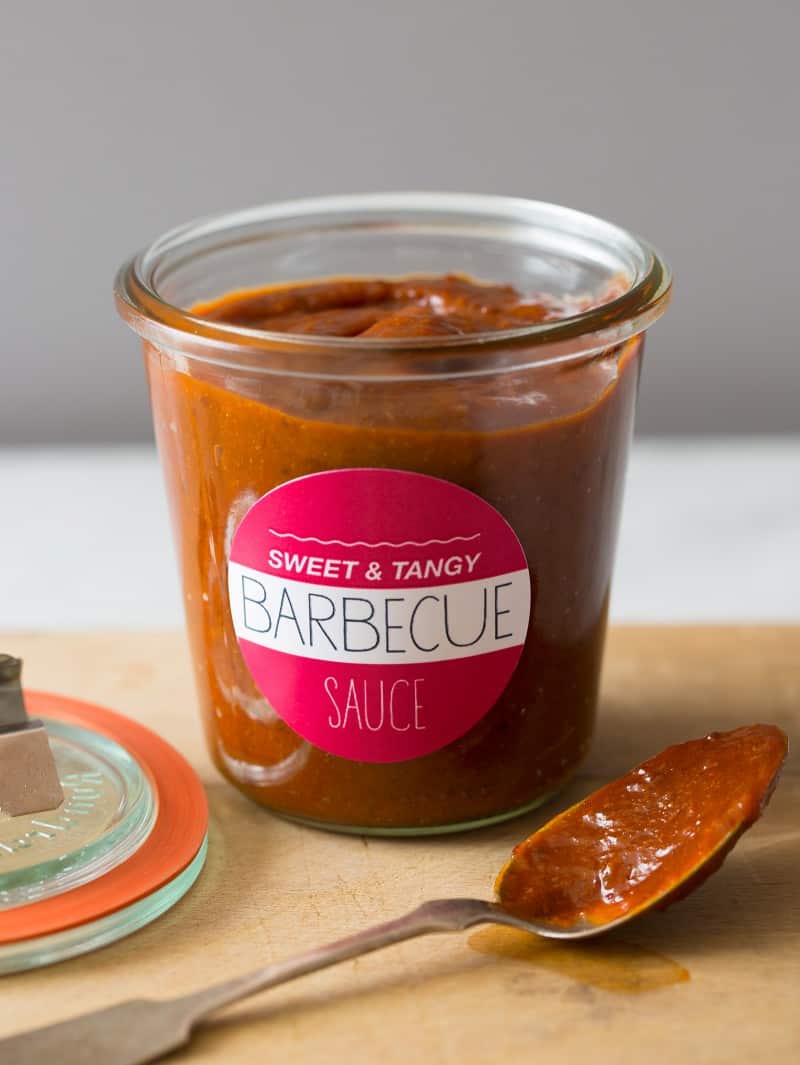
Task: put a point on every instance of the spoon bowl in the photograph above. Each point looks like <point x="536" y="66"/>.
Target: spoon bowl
<point x="646" y="839"/>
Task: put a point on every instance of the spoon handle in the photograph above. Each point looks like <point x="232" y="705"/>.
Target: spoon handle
<point x="143" y="1030"/>
<point x="440" y="915"/>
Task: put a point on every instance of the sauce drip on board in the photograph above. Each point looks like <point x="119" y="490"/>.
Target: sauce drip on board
<point x="651" y="836"/>
<point x="625" y="968"/>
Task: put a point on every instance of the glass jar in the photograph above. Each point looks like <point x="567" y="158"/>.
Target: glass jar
<point x="396" y="554"/>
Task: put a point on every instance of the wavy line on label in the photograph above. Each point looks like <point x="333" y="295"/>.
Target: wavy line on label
<point x="379" y="543"/>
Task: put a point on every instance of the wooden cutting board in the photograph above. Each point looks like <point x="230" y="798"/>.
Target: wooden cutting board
<point x="714" y="980"/>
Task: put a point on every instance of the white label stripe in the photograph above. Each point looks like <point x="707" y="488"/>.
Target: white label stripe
<point x="381" y="626"/>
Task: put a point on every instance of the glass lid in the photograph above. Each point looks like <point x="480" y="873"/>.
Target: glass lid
<point x="126" y="843"/>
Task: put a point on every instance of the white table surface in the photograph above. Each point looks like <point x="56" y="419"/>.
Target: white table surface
<point x="710" y="532"/>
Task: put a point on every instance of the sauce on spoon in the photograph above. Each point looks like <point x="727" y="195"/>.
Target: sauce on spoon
<point x="648" y="838"/>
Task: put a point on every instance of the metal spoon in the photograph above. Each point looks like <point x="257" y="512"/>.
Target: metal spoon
<point x="143" y="1030"/>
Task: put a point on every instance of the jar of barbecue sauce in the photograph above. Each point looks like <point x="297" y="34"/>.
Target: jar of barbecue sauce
<point x="394" y="431"/>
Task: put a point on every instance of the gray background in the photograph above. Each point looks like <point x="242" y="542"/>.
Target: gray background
<point x="678" y="120"/>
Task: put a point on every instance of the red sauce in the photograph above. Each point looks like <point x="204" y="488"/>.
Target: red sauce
<point x="371" y="307"/>
<point x="648" y="835"/>
<point x="546" y="447"/>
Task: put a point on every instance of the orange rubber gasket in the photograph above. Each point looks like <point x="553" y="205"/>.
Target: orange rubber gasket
<point x="178" y="832"/>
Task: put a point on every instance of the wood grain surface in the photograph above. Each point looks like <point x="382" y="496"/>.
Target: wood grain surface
<point x="713" y="980"/>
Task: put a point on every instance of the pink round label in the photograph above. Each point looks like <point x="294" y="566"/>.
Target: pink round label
<point x="381" y="613"/>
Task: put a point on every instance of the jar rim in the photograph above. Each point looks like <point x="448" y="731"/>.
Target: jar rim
<point x="153" y="317"/>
